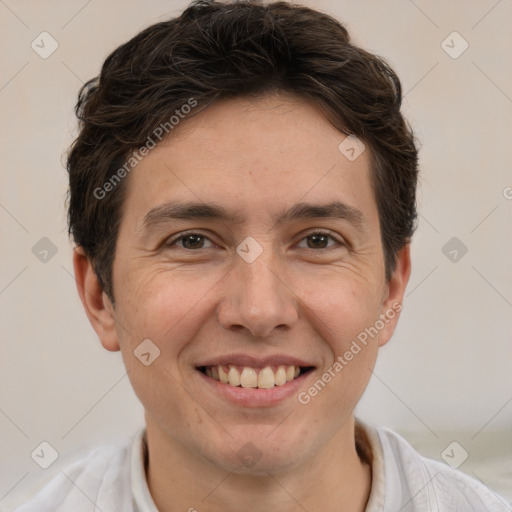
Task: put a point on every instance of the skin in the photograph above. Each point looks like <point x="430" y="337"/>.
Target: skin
<point x="255" y="157"/>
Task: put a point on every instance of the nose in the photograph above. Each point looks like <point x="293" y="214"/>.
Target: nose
<point x="258" y="298"/>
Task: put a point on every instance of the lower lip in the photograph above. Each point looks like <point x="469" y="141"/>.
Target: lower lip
<point x="255" y="397"/>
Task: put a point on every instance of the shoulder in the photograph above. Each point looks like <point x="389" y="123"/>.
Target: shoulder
<point x="432" y="485"/>
<point x="99" y="480"/>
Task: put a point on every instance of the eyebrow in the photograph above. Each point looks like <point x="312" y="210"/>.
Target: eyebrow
<point x="196" y="210"/>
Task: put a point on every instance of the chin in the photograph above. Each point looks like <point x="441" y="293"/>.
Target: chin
<point x="260" y="450"/>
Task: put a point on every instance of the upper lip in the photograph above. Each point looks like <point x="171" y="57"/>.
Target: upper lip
<point x="255" y="362"/>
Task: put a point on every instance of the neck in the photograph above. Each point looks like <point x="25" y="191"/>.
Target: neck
<point x="335" y="478"/>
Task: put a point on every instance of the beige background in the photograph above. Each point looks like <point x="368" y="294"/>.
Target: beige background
<point x="445" y="376"/>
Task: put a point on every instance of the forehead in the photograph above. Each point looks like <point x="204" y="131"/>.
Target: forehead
<point x="254" y="154"/>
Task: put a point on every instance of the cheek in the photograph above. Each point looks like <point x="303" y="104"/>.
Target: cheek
<point x="341" y="308"/>
<point x="164" y="305"/>
<point x="344" y="314"/>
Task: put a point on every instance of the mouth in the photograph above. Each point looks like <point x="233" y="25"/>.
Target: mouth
<point x="253" y="382"/>
<point x="257" y="377"/>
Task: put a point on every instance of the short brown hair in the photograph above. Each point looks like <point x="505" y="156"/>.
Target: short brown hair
<point x="225" y="50"/>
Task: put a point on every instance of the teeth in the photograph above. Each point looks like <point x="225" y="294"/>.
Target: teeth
<point x="233" y="376"/>
<point x="265" y="378"/>
<point x="223" y="376"/>
<point x="248" y="377"/>
<point x="280" y="377"/>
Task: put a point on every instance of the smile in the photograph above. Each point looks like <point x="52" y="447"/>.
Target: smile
<point x="251" y="377"/>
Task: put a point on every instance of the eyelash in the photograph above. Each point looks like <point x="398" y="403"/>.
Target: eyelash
<point x="172" y="241"/>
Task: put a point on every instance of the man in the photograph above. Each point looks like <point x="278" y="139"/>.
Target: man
<point x="242" y="197"/>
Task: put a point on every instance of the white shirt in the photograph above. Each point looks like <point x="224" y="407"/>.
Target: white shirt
<point x="112" y="479"/>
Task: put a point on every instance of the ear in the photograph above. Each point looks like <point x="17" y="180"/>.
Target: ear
<point x="394" y="294"/>
<point x="97" y="305"/>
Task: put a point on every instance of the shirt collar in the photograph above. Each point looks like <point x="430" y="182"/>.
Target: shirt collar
<point x="376" y="500"/>
<point x="142" y="500"/>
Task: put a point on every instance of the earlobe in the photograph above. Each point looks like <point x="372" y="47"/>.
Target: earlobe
<point x="395" y="287"/>
<point x="97" y="305"/>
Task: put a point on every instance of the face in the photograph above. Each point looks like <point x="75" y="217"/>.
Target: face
<point x="278" y="265"/>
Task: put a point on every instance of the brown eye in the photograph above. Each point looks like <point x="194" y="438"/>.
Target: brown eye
<point x="319" y="241"/>
<point x="193" y="241"/>
<point x="190" y="241"/>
